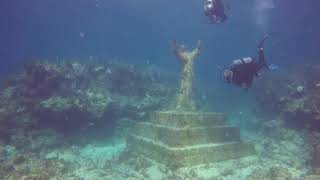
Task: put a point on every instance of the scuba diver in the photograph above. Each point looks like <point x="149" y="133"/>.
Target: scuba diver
<point x="214" y="10"/>
<point x="242" y="71"/>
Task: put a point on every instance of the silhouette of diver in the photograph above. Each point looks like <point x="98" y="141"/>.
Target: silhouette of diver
<point x="214" y="9"/>
<point x="242" y="71"/>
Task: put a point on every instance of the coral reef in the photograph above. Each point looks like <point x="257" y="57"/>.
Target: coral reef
<point x="42" y="106"/>
<point x="50" y="156"/>
<point x="73" y="96"/>
<point x="48" y="112"/>
<point x="293" y="95"/>
<point x="274" y="173"/>
<point x="280" y="144"/>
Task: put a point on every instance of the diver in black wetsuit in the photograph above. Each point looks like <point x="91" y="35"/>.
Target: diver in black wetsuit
<point x="215" y="11"/>
<point x="242" y="71"/>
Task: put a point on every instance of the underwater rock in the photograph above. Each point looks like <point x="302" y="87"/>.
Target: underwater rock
<point x="316" y="159"/>
<point x="88" y="101"/>
<point x="280" y="173"/>
<point x="71" y="96"/>
<point x="154" y="173"/>
<point x="27" y="165"/>
<point x="283" y="147"/>
<point x="41" y="80"/>
<point x="274" y="173"/>
<point x="293" y="94"/>
<point x="52" y="105"/>
<point x="312" y="177"/>
<point x="257" y="174"/>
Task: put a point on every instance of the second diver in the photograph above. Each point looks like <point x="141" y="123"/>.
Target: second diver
<point x="242" y="71"/>
<point x="215" y="11"/>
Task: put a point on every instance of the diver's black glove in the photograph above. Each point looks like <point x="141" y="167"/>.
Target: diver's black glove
<point x="260" y="46"/>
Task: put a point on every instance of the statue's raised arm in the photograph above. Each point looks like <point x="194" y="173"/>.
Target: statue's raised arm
<point x="182" y="54"/>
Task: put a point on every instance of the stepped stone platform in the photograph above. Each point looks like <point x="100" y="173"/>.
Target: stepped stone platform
<point x="179" y="139"/>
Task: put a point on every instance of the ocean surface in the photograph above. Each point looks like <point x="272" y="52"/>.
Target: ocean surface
<point x="142" y="32"/>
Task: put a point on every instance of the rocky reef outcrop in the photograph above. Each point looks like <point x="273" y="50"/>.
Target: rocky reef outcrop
<point x="293" y="94"/>
<point x="52" y="113"/>
<point x="71" y="96"/>
<point x="41" y="108"/>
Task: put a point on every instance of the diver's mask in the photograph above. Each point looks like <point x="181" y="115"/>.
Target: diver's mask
<point x="209" y="1"/>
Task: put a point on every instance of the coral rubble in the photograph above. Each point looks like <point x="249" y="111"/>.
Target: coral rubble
<point x="293" y="96"/>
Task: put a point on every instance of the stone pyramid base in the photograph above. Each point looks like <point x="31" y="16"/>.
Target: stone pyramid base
<point x="191" y="155"/>
<point x="186" y="139"/>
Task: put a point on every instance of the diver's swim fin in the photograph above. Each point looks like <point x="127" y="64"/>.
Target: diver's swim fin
<point x="264" y="38"/>
<point x="273" y="67"/>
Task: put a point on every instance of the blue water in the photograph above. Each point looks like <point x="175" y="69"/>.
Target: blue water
<point x="142" y="31"/>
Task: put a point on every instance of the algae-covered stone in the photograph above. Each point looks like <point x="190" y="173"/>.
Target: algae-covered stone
<point x="96" y="102"/>
<point x="280" y="173"/>
<point x="86" y="101"/>
<point x="57" y="103"/>
<point x="154" y="173"/>
<point x="312" y="177"/>
<point x="294" y="95"/>
<point x="274" y="173"/>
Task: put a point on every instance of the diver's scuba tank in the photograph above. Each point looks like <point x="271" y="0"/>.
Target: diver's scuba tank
<point x="246" y="60"/>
